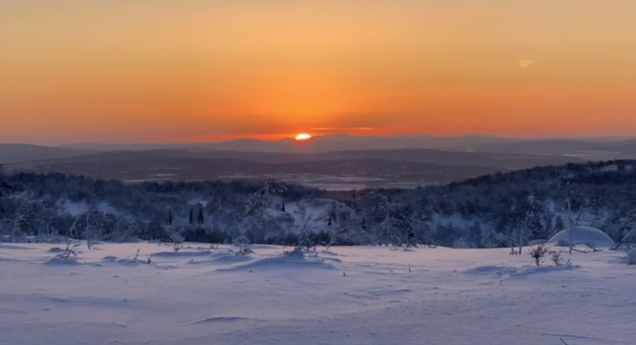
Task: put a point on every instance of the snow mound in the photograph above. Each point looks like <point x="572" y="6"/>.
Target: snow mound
<point x="62" y="261"/>
<point x="180" y="254"/>
<point x="631" y="257"/>
<point x="226" y="259"/>
<point x="532" y="270"/>
<point x="490" y="270"/>
<point x="123" y="262"/>
<point x="282" y="262"/>
<point x="231" y="259"/>
<point x="8" y="259"/>
<point x="221" y="319"/>
<point x="10" y="247"/>
<point x="518" y="272"/>
<point x="582" y="235"/>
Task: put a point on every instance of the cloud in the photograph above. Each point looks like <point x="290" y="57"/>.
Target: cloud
<point x="527" y="63"/>
<point x="343" y="129"/>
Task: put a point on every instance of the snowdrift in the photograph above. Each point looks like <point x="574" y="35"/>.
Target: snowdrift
<point x="281" y="262"/>
<point x="582" y="235"/>
<point x="365" y="295"/>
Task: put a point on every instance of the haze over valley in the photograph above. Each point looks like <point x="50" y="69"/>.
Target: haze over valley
<point x="332" y="162"/>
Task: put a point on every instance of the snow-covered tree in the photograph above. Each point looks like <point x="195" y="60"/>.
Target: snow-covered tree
<point x="625" y="230"/>
<point x="308" y="222"/>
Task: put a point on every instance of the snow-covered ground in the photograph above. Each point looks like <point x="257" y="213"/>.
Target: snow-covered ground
<point x="359" y="295"/>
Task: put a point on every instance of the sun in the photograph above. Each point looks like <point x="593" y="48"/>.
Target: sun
<point x="303" y="136"/>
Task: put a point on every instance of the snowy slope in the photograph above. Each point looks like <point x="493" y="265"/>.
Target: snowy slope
<point x="357" y="295"/>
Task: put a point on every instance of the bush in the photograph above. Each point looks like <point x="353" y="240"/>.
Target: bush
<point x="296" y="253"/>
<point x="557" y="258"/>
<point x="244" y="245"/>
<point x="537" y="253"/>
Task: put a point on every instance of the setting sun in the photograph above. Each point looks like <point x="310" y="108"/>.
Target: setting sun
<point x="303" y="136"/>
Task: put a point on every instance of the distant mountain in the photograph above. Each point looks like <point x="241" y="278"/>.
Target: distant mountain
<point x="15" y="153"/>
<point x="601" y="148"/>
<point x="327" y="143"/>
<point x="506" y="161"/>
<point x="589" y="150"/>
<point x="106" y="147"/>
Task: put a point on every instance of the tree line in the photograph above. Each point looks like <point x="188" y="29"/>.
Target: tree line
<point x="498" y="210"/>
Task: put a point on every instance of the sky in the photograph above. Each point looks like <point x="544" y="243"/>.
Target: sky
<point x="195" y="70"/>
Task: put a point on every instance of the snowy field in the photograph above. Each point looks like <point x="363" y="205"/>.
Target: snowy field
<point x="359" y="295"/>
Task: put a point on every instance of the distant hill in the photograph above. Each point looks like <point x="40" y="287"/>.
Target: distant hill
<point x="341" y="169"/>
<point x="311" y="163"/>
<point x="327" y="143"/>
<point x="584" y="149"/>
<point x="15" y="153"/>
<point x="503" y="160"/>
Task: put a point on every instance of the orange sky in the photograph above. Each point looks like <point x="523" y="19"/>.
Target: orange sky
<point x="191" y="70"/>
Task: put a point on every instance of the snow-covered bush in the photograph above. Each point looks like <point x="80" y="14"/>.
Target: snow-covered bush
<point x="461" y="244"/>
<point x="177" y="241"/>
<point x="296" y="253"/>
<point x="243" y="243"/>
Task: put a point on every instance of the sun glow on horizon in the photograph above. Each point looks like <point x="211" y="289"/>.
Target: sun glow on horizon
<point x="147" y="71"/>
<point x="303" y="136"/>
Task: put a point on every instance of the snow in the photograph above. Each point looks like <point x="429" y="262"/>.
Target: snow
<point x="631" y="256"/>
<point x="77" y="209"/>
<point x="583" y="235"/>
<point x="610" y="168"/>
<point x="352" y="295"/>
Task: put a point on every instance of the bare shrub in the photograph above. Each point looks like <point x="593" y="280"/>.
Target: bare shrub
<point x="537" y="253"/>
<point x="210" y="248"/>
<point x="514" y="251"/>
<point x="69" y="251"/>
<point x="557" y="258"/>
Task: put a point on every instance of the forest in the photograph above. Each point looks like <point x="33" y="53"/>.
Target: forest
<point x="498" y="210"/>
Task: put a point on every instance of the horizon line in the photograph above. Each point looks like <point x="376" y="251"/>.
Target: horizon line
<point x="172" y="143"/>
